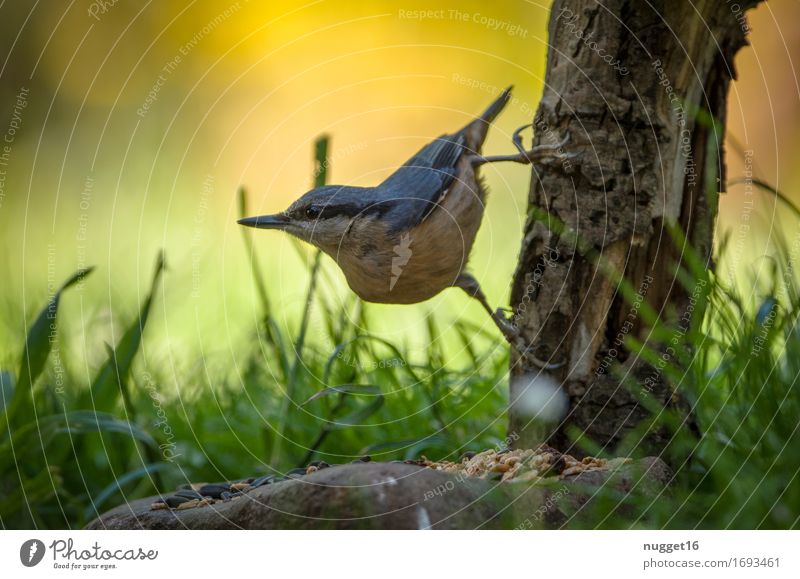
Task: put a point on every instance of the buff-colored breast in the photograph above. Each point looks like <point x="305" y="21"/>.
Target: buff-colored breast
<point x="418" y="264"/>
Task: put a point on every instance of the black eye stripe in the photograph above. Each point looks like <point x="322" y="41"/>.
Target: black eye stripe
<point x="326" y="211"/>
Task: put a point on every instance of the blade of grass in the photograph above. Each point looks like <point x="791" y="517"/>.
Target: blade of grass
<point x="352" y="419"/>
<point x="345" y="389"/>
<point x="37" y="490"/>
<point x="6" y="388"/>
<point x="97" y="501"/>
<point x="113" y="376"/>
<point x="359" y="415"/>
<point x="767" y="187"/>
<point x="38" y="344"/>
<point x="258" y="278"/>
<point x="112" y="379"/>
<point x="320" y="179"/>
<point x="44" y="431"/>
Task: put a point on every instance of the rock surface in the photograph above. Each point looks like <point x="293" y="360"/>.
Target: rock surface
<point x="397" y="496"/>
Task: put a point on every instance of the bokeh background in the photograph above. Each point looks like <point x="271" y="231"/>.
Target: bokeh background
<point x="143" y="119"/>
<point x="129" y="126"/>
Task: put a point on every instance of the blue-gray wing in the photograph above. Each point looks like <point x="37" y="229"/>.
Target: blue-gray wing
<point x="416" y="188"/>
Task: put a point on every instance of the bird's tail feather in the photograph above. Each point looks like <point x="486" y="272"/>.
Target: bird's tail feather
<point x="475" y="132"/>
<point x="497" y="106"/>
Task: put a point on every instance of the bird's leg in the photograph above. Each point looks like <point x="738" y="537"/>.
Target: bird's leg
<point x="470" y="285"/>
<point x="538" y="153"/>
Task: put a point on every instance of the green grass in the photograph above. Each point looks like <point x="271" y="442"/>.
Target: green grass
<point x="738" y="367"/>
<point x="73" y="451"/>
<point x="71" y="448"/>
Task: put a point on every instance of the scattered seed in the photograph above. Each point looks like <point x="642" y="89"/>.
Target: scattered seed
<point x="320" y="464"/>
<point x="188" y="504"/>
<point x="506" y="465"/>
<point x="555" y="467"/>
<point x="572" y="470"/>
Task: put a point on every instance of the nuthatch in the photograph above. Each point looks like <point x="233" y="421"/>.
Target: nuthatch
<point x="409" y="238"/>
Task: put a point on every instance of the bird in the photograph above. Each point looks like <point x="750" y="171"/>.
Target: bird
<point x="410" y="237"/>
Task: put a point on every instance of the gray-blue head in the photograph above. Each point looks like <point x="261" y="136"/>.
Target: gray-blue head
<point x="322" y="216"/>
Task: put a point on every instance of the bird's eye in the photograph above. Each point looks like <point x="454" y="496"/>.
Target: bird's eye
<point x="312" y="212"/>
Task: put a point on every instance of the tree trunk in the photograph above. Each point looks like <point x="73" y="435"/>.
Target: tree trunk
<point x="635" y="86"/>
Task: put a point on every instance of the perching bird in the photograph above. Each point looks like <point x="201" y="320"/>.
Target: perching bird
<point x="410" y="237"/>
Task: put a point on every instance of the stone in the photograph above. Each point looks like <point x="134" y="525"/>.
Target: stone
<point x="398" y="496"/>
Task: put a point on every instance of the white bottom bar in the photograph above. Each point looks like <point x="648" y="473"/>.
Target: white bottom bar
<point x="402" y="554"/>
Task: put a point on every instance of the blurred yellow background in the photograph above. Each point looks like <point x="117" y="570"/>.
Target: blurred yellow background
<point x="141" y="120"/>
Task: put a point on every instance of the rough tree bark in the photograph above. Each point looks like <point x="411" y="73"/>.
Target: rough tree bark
<point x="630" y="82"/>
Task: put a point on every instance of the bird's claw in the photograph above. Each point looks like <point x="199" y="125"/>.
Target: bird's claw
<point x="516" y="138"/>
<point x="542" y="152"/>
<point x="512" y="335"/>
<point x="538" y="154"/>
<point x="508" y="328"/>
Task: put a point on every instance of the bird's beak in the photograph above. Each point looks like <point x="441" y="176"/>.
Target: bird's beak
<point x="277" y="221"/>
